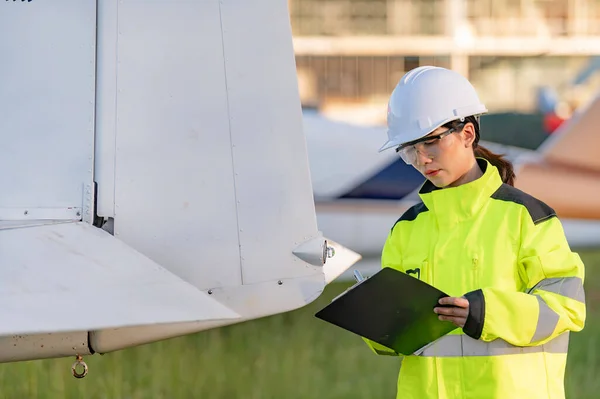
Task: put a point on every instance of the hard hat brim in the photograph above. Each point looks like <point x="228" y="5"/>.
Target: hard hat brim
<point x="389" y="144"/>
<point x="394" y="143"/>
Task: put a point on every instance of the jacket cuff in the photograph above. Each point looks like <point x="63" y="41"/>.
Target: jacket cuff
<point x="474" y="324"/>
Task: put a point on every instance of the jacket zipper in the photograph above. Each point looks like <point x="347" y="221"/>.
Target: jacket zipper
<point x="426" y="272"/>
<point x="476" y="271"/>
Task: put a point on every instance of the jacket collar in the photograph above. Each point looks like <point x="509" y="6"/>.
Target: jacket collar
<point x="454" y="204"/>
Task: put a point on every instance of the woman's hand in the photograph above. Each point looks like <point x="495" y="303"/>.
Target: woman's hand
<point x="457" y="313"/>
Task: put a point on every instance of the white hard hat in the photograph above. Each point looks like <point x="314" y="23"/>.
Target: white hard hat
<point x="426" y="98"/>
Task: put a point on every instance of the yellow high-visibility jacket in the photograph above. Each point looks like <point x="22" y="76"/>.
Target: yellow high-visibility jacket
<point x="507" y="253"/>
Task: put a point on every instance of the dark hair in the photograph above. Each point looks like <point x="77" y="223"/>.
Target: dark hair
<point x="505" y="167"/>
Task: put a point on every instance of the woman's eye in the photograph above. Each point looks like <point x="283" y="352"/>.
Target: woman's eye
<point x="429" y="142"/>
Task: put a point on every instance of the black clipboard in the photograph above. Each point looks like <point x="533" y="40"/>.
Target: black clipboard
<point x="392" y="309"/>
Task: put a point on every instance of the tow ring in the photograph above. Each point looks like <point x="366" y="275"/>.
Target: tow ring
<point x="79" y="362"/>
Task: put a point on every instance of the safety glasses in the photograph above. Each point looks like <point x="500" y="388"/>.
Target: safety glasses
<point x="429" y="146"/>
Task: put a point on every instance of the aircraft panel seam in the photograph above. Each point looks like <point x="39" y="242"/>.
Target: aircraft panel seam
<point x="235" y="191"/>
<point x="89" y="343"/>
<point x="114" y="187"/>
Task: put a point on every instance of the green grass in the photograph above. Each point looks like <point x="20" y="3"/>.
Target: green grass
<point x="292" y="355"/>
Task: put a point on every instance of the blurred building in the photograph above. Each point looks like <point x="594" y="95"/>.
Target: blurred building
<point x="351" y="53"/>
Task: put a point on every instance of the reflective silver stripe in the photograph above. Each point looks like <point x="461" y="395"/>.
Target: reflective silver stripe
<point x="571" y="287"/>
<point x="547" y="321"/>
<point x="463" y="345"/>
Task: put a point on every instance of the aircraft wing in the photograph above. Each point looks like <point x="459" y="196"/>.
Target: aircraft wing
<point x="75" y="277"/>
<point x="512" y="153"/>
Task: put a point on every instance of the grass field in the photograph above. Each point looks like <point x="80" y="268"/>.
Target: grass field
<point x="292" y="355"/>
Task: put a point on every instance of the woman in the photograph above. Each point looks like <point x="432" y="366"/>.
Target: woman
<point x="516" y="287"/>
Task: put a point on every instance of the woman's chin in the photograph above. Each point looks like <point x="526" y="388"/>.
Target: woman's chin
<point x="440" y="179"/>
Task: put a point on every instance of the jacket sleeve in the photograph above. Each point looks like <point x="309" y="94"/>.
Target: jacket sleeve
<point x="552" y="301"/>
<point x="390" y="257"/>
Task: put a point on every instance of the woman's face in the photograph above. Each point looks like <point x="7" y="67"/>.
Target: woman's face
<point x="443" y="160"/>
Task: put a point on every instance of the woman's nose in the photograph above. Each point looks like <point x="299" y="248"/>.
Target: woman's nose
<point x="422" y="157"/>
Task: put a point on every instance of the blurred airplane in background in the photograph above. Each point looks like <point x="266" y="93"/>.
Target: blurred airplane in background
<point x="557" y="104"/>
<point x="360" y="193"/>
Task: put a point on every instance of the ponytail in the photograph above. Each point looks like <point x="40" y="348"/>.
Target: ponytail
<point x="505" y="167"/>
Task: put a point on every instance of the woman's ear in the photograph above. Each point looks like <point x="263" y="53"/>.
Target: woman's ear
<point x="469" y="134"/>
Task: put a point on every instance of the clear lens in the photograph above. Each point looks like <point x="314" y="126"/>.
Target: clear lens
<point x="430" y="149"/>
<point x="408" y="155"/>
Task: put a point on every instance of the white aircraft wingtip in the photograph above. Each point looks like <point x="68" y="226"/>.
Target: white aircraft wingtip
<point x="74" y="277"/>
<point x="342" y="259"/>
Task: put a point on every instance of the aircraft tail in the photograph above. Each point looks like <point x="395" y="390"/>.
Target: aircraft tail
<point x="575" y="142"/>
<point x="177" y="127"/>
<point x="565" y="171"/>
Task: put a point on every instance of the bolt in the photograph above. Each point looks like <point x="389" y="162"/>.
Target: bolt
<point x="330" y="252"/>
<point x="26" y="212"/>
<point x="280" y="282"/>
<point x="78" y="213"/>
<point x="210" y="292"/>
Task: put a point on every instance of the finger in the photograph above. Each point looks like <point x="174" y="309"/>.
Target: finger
<point x="458" y="321"/>
<point x="460" y="302"/>
<point x="452" y="319"/>
<point x="453" y="311"/>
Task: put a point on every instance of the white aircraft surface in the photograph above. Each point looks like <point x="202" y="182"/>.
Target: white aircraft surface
<point x="155" y="179"/>
<point x="360" y="193"/>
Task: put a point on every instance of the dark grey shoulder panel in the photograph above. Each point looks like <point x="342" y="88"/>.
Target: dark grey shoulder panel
<point x="412" y="213"/>
<point x="538" y="210"/>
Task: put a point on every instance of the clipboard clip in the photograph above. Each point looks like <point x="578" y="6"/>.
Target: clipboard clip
<point x="358" y="276"/>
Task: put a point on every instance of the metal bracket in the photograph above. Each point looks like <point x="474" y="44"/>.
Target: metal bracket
<point x="314" y="251"/>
